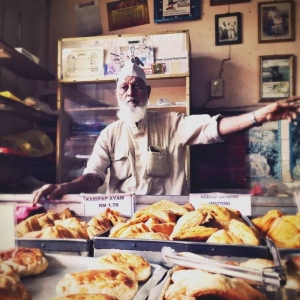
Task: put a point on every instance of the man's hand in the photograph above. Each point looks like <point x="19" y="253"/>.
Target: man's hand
<point x="50" y="191"/>
<point x="285" y="109"/>
<point x="87" y="183"/>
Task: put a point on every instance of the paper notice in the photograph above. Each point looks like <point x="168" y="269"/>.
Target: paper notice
<point x="87" y="16"/>
<point x="7" y="223"/>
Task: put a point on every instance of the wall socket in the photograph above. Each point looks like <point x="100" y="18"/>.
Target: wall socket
<point x="216" y="87"/>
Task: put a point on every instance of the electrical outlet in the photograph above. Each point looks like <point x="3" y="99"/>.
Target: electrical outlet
<point x="216" y="87"/>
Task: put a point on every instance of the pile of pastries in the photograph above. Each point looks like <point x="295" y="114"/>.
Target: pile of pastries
<point x="15" y="263"/>
<point x="166" y="220"/>
<point x="283" y="229"/>
<point x="113" y="276"/>
<point x="65" y="225"/>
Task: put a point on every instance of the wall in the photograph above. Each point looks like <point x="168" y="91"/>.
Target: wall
<point x="240" y="73"/>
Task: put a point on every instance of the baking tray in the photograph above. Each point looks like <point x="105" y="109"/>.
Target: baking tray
<point x="151" y="249"/>
<point x="67" y="246"/>
<point x="43" y="286"/>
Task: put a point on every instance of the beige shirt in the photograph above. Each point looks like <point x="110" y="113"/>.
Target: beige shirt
<point x="123" y="149"/>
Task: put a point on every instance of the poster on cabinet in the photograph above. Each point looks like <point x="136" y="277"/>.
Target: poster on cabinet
<point x="82" y="63"/>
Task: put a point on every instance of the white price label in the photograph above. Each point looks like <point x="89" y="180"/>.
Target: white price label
<point x="234" y="201"/>
<point x="97" y="203"/>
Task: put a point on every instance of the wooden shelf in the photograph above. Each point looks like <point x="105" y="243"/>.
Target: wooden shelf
<point x="21" y="65"/>
<point x="25" y="112"/>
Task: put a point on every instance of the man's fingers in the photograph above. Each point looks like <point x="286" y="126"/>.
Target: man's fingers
<point x="43" y="191"/>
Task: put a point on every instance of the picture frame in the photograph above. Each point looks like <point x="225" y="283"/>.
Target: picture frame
<point x="276" y="22"/>
<point x="224" y="2"/>
<point x="276" y="77"/>
<point x="172" y="11"/>
<point x="228" y="29"/>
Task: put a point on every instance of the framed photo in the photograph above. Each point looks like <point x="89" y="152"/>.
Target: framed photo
<point x="276" y="77"/>
<point x="223" y="2"/>
<point x="123" y="14"/>
<point x="276" y="22"/>
<point x="178" y="10"/>
<point x="228" y="29"/>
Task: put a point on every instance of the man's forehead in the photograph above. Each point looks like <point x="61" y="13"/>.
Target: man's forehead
<point x="130" y="79"/>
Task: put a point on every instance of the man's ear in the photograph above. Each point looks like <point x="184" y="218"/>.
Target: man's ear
<point x="148" y="91"/>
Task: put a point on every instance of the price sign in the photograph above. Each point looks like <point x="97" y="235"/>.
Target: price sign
<point x="234" y="201"/>
<point x="97" y="203"/>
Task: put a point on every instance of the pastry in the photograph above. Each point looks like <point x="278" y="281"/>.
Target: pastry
<point x="149" y="236"/>
<point x="11" y="289"/>
<point x="282" y="230"/>
<point x="86" y="297"/>
<point x="197" y="283"/>
<point x="189" y="220"/>
<point x="25" y="261"/>
<point x="223" y="237"/>
<point x="243" y="232"/>
<point x="114" y="283"/>
<point x="137" y="264"/>
<point x="220" y="212"/>
<point x="197" y="233"/>
<point x="28" y="225"/>
<point x="264" y="223"/>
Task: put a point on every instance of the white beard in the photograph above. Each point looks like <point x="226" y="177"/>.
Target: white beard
<point x="130" y="114"/>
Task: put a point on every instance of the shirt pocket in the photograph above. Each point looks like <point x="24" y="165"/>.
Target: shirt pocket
<point x="120" y="166"/>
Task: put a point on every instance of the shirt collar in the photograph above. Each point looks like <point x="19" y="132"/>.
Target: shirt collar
<point x="140" y="128"/>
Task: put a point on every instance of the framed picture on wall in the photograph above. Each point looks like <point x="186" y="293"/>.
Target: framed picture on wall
<point x="179" y="10"/>
<point x="223" y="2"/>
<point x="276" y="77"/>
<point x="228" y="29"/>
<point x="276" y="22"/>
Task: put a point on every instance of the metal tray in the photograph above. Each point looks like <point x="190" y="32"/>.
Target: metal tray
<point x="65" y="246"/>
<point x="151" y="249"/>
<point x="43" y="286"/>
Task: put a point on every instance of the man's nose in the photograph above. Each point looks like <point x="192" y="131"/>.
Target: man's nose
<point x="131" y="90"/>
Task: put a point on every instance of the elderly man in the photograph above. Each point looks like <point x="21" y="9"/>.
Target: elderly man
<point x="145" y="151"/>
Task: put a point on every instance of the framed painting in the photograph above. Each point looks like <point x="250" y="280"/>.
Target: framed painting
<point x="276" y="77"/>
<point x="228" y="29"/>
<point x="180" y="10"/>
<point x="224" y="2"/>
<point x="295" y="149"/>
<point x="276" y="22"/>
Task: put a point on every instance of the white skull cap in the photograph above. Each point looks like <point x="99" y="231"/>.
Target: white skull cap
<point x="131" y="69"/>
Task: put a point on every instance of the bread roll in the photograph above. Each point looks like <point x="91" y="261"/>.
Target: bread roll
<point x="111" y="282"/>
